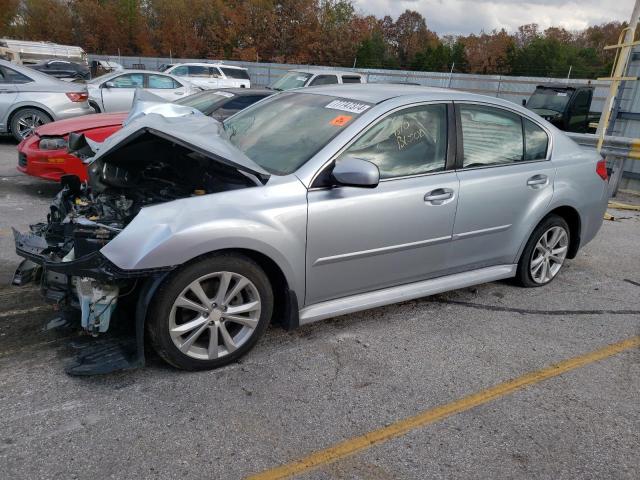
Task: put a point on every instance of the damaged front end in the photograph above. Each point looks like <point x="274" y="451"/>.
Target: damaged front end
<point x="152" y="160"/>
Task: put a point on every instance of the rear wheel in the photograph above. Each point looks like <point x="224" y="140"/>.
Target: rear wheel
<point x="210" y="313"/>
<point x="25" y="121"/>
<point x="545" y="252"/>
<point x="95" y="107"/>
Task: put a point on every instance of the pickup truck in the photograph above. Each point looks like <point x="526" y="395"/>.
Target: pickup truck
<point x="566" y="107"/>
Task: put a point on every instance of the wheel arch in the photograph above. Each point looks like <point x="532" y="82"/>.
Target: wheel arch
<point x="572" y="216"/>
<point x="285" y="308"/>
<point x="24" y="106"/>
<point x="93" y="104"/>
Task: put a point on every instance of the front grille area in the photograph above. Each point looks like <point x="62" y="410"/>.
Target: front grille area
<point x="22" y="159"/>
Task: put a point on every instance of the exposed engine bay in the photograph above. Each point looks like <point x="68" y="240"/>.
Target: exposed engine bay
<point x="144" y="169"/>
<point x="84" y="217"/>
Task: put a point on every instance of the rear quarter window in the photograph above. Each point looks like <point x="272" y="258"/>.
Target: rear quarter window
<point x="351" y="79"/>
<point x="237" y="73"/>
<point x="536" y="141"/>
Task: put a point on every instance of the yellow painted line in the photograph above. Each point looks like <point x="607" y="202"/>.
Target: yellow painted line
<point x="357" y="444"/>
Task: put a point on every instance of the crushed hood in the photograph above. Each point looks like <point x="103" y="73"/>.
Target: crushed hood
<point x="145" y="103"/>
<point x="199" y="133"/>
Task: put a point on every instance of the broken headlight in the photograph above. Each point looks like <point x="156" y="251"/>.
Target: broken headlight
<point x="58" y="143"/>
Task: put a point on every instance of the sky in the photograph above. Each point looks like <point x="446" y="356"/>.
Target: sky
<point x="469" y="16"/>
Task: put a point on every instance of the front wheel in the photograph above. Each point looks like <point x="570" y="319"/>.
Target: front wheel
<point x="210" y="313"/>
<point x="545" y="252"/>
<point x="26" y="120"/>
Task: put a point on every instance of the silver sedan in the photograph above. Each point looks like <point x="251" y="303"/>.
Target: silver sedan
<point x="113" y="92"/>
<point x="311" y="204"/>
<point x="29" y="98"/>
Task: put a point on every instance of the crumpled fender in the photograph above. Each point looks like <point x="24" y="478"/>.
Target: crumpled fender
<point x="269" y="219"/>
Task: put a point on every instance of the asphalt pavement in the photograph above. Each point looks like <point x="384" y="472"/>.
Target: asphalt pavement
<point x="300" y="392"/>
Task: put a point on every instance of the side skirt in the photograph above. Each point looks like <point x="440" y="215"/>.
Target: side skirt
<point x="401" y="293"/>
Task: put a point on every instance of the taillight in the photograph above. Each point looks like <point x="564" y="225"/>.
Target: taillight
<point x="601" y="169"/>
<point x="78" y="96"/>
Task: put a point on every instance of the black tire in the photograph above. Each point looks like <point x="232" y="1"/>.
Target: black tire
<point x="27" y="114"/>
<point x="95" y="107"/>
<point x="159" y="315"/>
<point x="524" y="276"/>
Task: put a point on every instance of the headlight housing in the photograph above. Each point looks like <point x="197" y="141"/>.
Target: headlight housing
<point x="56" y="143"/>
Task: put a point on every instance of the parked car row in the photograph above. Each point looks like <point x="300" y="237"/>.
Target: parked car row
<point x="309" y="204"/>
<point x="29" y="98"/>
<point x="45" y="153"/>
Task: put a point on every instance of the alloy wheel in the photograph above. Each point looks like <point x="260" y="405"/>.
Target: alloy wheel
<point x="214" y="315"/>
<point x="28" y="123"/>
<point x="549" y="255"/>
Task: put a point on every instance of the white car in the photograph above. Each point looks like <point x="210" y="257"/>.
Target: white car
<point x="114" y="91"/>
<point x="212" y="75"/>
<point x="312" y="77"/>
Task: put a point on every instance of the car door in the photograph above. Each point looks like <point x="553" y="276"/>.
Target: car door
<point x="8" y="94"/>
<point x="506" y="182"/>
<point x="362" y="239"/>
<point x="117" y="93"/>
<point x="165" y="86"/>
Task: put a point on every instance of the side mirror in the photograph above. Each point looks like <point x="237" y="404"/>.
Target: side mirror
<point x="108" y="85"/>
<point x="524" y="102"/>
<point x="356" y="172"/>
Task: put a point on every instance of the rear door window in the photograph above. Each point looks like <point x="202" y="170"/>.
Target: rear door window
<point x="198" y="71"/>
<point x="351" y="79"/>
<point x="161" y="82"/>
<point x="130" y="80"/>
<point x="181" y="71"/>
<point x="491" y="136"/>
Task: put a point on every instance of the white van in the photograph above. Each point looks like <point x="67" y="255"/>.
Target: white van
<point x="212" y="75"/>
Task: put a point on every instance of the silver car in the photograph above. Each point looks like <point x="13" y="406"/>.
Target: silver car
<point x="313" y="77"/>
<point x="29" y="98"/>
<point x="113" y="92"/>
<point x="308" y="205"/>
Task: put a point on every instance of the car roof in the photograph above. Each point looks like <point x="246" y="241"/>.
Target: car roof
<point x="380" y="92"/>
<point x="205" y="64"/>
<point x="324" y="71"/>
<point x="562" y="86"/>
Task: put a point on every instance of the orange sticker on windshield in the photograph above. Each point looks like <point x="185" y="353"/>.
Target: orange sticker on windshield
<point x="341" y="120"/>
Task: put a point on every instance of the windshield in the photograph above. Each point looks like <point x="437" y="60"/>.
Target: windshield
<point x="282" y="133"/>
<point x="291" y="80"/>
<point x="206" y="102"/>
<point x="547" y="99"/>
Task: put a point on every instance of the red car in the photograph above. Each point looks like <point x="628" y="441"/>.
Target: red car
<point x="44" y="154"/>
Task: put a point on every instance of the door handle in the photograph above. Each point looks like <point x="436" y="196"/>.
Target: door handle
<point x="538" y="181"/>
<point x="438" y="196"/>
<point x="178" y="93"/>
